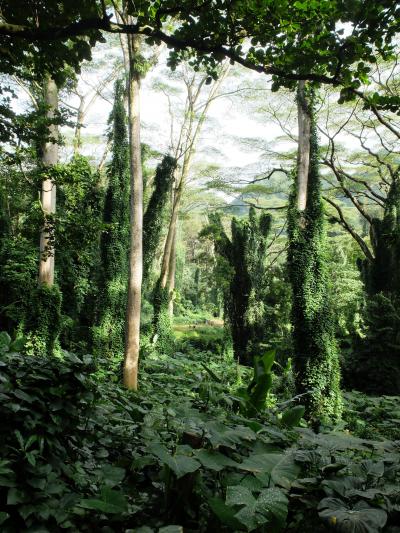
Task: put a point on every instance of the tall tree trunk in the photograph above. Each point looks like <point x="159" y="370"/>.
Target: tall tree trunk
<point x="316" y="355"/>
<point x="78" y="127"/>
<point x="136" y="252"/>
<point x="303" y="152"/>
<point x="188" y="138"/>
<point x="48" y="193"/>
<point x="166" y="260"/>
<point x="171" y="275"/>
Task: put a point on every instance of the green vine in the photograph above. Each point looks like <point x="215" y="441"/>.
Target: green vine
<point x="315" y="349"/>
<point x="154" y="216"/>
<point x="242" y="260"/>
<point x="114" y="246"/>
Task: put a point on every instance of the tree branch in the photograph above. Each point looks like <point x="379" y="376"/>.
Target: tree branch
<point x="343" y="222"/>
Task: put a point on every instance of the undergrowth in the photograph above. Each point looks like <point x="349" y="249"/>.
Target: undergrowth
<point x="185" y="453"/>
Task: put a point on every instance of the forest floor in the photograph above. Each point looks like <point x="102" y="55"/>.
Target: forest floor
<point x="185" y="453"/>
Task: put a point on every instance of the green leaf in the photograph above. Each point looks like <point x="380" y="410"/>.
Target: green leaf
<point x="3" y="517"/>
<point x="214" y="460"/>
<point x="275" y="502"/>
<point x="247" y="517"/>
<point x="111" y="502"/>
<point x="15" y="496"/>
<point x="291" y="417"/>
<point x="238" y="495"/>
<point x="5" y="341"/>
<point x="281" y="467"/>
<point x="179" y="464"/>
<point x="360" y="519"/>
<point x="221" y="435"/>
<point x="171" y="529"/>
<point x="112" y="475"/>
<point x="225" y="514"/>
<point x="18" y="344"/>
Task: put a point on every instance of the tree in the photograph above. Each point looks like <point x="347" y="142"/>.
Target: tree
<point x="48" y="193"/>
<point x="376" y="368"/>
<point x="184" y="147"/>
<point x="315" y="350"/>
<point x="311" y="42"/>
<point x="132" y="339"/>
<point x="114" y="248"/>
<point x="243" y="262"/>
<point x="154" y="217"/>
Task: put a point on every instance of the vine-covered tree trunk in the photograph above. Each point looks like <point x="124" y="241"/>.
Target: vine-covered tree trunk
<point x="48" y="193"/>
<point x="375" y="366"/>
<point x="316" y="355"/>
<point x="244" y="257"/>
<point x="132" y="343"/>
<point x="109" y="332"/>
<point x="154" y="217"/>
<point x="43" y="324"/>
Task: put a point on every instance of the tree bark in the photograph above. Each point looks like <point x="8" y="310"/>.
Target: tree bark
<point x="166" y="260"/>
<point x="171" y="275"/>
<point x="303" y="154"/>
<point x="78" y="127"/>
<point x="48" y="193"/>
<point x="131" y="361"/>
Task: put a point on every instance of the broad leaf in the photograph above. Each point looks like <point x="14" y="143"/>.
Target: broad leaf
<point x="214" y="460"/>
<point x="360" y="519"/>
<point x="291" y="417"/>
<point x="274" y="501"/>
<point x="179" y="464"/>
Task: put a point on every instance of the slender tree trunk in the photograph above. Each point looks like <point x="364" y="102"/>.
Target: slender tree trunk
<point x="48" y="193"/>
<point x="171" y="275"/>
<point x="303" y="153"/>
<point x="192" y="130"/>
<point x="136" y="254"/>
<point x="78" y="127"/>
<point x="166" y="260"/>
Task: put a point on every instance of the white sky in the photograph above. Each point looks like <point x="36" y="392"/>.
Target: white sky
<point x="227" y="119"/>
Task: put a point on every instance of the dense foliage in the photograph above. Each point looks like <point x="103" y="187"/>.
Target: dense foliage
<point x="172" y="356"/>
<point x="114" y="249"/>
<point x="79" y="452"/>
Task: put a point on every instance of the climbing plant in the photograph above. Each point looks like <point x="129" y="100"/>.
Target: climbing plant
<point x="114" y="246"/>
<point x="375" y="368"/>
<point x="242" y="258"/>
<point x="315" y="350"/>
<point x="77" y="236"/>
<point x="154" y="216"/>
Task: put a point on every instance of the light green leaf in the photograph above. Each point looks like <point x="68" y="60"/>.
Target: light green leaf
<point x="238" y="495"/>
<point x="274" y="501"/>
<point x="281" y="467"/>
